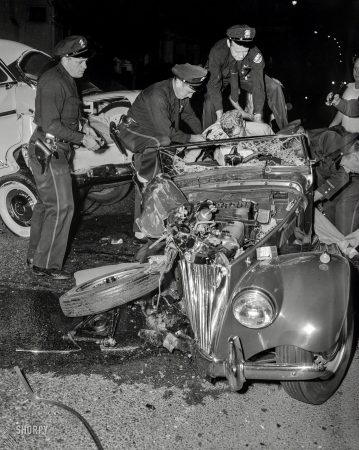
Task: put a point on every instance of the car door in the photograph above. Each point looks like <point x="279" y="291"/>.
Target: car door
<point x="9" y="132"/>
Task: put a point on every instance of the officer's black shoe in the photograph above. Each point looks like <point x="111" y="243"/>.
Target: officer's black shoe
<point x="55" y="274"/>
<point x="138" y="242"/>
<point x="30" y="262"/>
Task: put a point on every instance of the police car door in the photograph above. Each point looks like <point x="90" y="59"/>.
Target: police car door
<point x="10" y="135"/>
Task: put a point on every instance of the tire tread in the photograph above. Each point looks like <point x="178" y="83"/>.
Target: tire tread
<point x="84" y="300"/>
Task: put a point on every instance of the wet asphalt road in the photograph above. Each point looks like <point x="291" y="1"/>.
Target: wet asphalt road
<point x="137" y="396"/>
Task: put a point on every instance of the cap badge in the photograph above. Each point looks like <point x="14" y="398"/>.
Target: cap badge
<point x="203" y="78"/>
<point x="82" y="43"/>
<point x="247" y="34"/>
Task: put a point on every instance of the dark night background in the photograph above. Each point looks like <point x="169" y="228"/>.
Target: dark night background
<point x="305" y="62"/>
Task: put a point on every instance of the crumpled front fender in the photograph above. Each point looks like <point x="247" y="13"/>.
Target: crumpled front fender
<point x="311" y="300"/>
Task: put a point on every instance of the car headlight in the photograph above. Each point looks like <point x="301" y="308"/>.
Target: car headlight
<point x="253" y="308"/>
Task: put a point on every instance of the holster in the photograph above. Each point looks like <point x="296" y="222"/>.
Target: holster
<point x="44" y="154"/>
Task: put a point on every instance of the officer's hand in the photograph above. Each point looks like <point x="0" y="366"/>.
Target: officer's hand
<point x="244" y="114"/>
<point x="257" y="118"/>
<point x="352" y="239"/>
<point x="90" y="142"/>
<point x="87" y="129"/>
<point x="247" y="116"/>
<point x="197" y="138"/>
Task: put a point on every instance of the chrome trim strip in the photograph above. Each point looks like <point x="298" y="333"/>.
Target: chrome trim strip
<point x="237" y="371"/>
<point x="276" y="371"/>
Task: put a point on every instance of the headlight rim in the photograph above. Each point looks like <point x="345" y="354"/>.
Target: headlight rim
<point x="263" y="292"/>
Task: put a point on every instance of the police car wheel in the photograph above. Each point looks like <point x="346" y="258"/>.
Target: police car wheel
<point x="115" y="110"/>
<point x="109" y="195"/>
<point x="17" y="200"/>
<point x="109" y="291"/>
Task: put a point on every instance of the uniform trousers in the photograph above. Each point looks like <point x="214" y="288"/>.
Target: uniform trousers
<point x="53" y="212"/>
<point x="275" y="98"/>
<point x="145" y="156"/>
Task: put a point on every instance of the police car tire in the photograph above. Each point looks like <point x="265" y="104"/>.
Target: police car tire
<point x="88" y="206"/>
<point x="115" y="110"/>
<point x="17" y="199"/>
<point x="110" y="195"/>
<point x="114" y="105"/>
<point x="109" y="291"/>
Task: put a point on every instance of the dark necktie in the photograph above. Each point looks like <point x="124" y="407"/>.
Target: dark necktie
<point x="177" y="113"/>
<point x="234" y="80"/>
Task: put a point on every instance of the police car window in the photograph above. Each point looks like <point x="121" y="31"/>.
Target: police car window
<point x="3" y="76"/>
<point x="33" y="63"/>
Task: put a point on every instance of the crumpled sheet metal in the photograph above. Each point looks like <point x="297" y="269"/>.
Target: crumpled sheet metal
<point x="160" y="197"/>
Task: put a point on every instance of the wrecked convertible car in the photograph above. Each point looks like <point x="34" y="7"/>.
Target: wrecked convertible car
<point x="265" y="299"/>
<point x="262" y="298"/>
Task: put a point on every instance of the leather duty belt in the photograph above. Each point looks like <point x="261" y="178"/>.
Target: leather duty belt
<point x="50" y="138"/>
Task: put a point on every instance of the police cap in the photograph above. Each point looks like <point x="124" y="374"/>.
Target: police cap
<point x="242" y="35"/>
<point x="74" y="46"/>
<point x="191" y="75"/>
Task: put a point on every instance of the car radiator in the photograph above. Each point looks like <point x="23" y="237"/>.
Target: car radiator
<point x="205" y="292"/>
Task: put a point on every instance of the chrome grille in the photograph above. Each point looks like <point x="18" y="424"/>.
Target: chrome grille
<point x="205" y="293"/>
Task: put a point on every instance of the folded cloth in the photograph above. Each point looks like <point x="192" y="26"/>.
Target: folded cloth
<point x="329" y="234"/>
<point x="325" y="230"/>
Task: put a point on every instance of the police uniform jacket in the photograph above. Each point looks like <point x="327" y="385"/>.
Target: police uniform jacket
<point x="335" y="180"/>
<point x="57" y="105"/>
<point x="221" y="63"/>
<point x="331" y="177"/>
<point x="155" y="110"/>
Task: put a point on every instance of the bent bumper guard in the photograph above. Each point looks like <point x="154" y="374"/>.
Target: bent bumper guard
<point x="237" y="371"/>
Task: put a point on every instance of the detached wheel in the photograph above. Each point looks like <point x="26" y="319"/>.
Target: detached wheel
<point x="109" y="195"/>
<point x="336" y="360"/>
<point x="108" y="291"/>
<point x="17" y="200"/>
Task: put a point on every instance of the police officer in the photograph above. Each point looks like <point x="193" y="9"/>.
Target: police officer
<point x="153" y="120"/>
<point x="237" y="62"/>
<point x="57" y="116"/>
<point x="338" y="179"/>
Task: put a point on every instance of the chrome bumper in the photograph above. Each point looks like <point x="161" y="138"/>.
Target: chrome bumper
<point x="237" y="371"/>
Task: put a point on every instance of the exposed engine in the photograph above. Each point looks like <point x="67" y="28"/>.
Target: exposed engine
<point x="202" y="230"/>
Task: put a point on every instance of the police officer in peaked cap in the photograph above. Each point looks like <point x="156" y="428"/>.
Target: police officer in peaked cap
<point x="236" y="61"/>
<point x="337" y="177"/>
<point x="153" y="121"/>
<point x="57" y="117"/>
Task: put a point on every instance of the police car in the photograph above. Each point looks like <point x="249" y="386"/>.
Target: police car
<point x="108" y="171"/>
